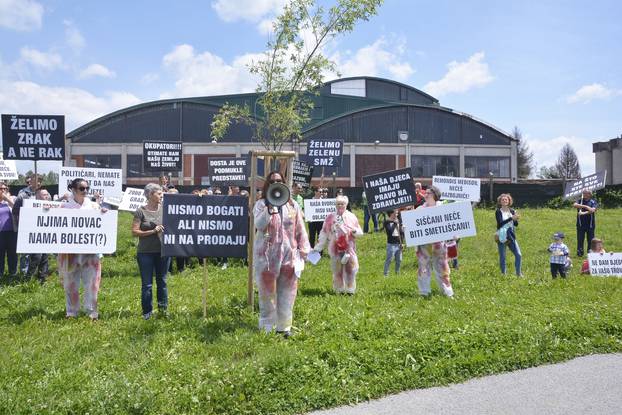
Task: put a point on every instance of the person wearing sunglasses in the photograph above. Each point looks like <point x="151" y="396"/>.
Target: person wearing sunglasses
<point x="281" y="243"/>
<point x="80" y="268"/>
<point x="8" y="236"/>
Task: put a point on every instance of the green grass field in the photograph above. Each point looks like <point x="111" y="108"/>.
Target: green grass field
<point x="346" y="349"/>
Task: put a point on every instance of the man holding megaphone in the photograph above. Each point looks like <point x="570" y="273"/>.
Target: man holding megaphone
<point x="281" y="246"/>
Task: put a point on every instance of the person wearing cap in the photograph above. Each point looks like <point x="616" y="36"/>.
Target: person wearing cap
<point x="586" y="219"/>
<point x="559" y="255"/>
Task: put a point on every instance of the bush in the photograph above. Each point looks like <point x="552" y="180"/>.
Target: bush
<point x="559" y="203"/>
<point x="609" y="198"/>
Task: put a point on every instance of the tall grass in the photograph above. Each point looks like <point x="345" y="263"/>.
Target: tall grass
<point x="346" y="348"/>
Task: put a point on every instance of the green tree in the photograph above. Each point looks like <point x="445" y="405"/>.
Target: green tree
<point x="292" y="70"/>
<point x="549" y="173"/>
<point x="525" y="161"/>
<point x="568" y="163"/>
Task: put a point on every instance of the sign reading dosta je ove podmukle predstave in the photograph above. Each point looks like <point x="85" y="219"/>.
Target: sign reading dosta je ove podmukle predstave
<point x="439" y="223"/>
<point x="66" y="231"/>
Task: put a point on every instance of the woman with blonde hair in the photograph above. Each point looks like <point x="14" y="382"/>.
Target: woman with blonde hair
<point x="507" y="221"/>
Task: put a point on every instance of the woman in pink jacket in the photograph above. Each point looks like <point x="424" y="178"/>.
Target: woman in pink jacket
<point x="339" y="232"/>
<point x="281" y="241"/>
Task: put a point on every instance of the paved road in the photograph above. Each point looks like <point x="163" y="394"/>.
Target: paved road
<point x="586" y="385"/>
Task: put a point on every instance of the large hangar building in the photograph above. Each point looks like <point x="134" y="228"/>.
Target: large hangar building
<point x="385" y="125"/>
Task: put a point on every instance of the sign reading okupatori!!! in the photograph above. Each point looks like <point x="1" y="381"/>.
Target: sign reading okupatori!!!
<point x="302" y="173"/>
<point x="440" y="223"/>
<point x="132" y="199"/>
<point x="33" y="137"/>
<point x="605" y="264"/>
<point x="325" y="153"/>
<point x="8" y="171"/>
<point x="389" y="190"/>
<point x="316" y="210"/>
<point x="205" y="226"/>
<point x="228" y="171"/>
<point x="162" y="155"/>
<point x="105" y="182"/>
<point x="592" y="183"/>
<point x="457" y="188"/>
<point x="66" y="231"/>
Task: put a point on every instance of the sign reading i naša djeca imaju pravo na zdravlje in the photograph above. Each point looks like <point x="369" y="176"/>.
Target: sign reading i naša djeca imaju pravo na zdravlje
<point x="33" y="137"/>
<point x="389" y="190"/>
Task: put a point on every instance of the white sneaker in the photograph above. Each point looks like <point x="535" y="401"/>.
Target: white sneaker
<point x="345" y="259"/>
<point x="224" y="266"/>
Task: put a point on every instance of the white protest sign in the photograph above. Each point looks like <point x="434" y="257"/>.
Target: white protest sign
<point x="106" y="182"/>
<point x="45" y="204"/>
<point x="438" y="223"/>
<point x="133" y="199"/>
<point x="8" y="171"/>
<point x="605" y="264"/>
<point x="316" y="210"/>
<point x="457" y="188"/>
<point x="67" y="231"/>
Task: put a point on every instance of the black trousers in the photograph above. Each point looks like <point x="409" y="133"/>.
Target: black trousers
<point x="38" y="262"/>
<point x="314" y="231"/>
<point x="8" y="246"/>
<point x="558" y="268"/>
<point x="582" y="232"/>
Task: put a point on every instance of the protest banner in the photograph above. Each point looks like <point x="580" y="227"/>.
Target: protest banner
<point x="458" y="188"/>
<point x="302" y="173"/>
<point x="39" y="204"/>
<point x="608" y="264"/>
<point x="8" y="170"/>
<point x="132" y="199"/>
<point x="162" y="155"/>
<point x="105" y="182"/>
<point x="66" y="231"/>
<point x="316" y="210"/>
<point x="33" y="137"/>
<point x="325" y="153"/>
<point x="440" y="223"/>
<point x="389" y="190"/>
<point x="205" y="226"/>
<point x="592" y="183"/>
<point x="228" y="171"/>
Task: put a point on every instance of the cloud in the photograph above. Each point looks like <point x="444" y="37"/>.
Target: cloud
<point x="546" y="151"/>
<point x="44" y="60"/>
<point x="78" y="106"/>
<point x="249" y="10"/>
<point x="21" y="15"/>
<point x="74" y="38"/>
<point x="96" y="69"/>
<point x="208" y="74"/>
<point x="149" y="78"/>
<point x="380" y="58"/>
<point x="591" y="92"/>
<point x="461" y="77"/>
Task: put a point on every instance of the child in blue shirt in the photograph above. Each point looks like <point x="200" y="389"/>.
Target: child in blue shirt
<point x="559" y="254"/>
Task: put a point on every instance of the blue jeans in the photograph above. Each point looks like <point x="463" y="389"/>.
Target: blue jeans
<point x="148" y="263"/>
<point x="513" y="245"/>
<point x="393" y="250"/>
<point x="366" y="216"/>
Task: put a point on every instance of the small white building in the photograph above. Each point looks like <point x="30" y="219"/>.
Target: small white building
<point x="608" y="156"/>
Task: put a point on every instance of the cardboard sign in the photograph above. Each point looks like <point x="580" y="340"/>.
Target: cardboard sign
<point x="458" y="188"/>
<point x="33" y="137"/>
<point x="327" y="153"/>
<point x="389" y="190"/>
<point x="132" y="199"/>
<point x="41" y="204"/>
<point x="609" y="264"/>
<point x="8" y="170"/>
<point x="105" y="182"/>
<point x="228" y="171"/>
<point x="316" y="210"/>
<point x="302" y="173"/>
<point x="162" y="155"/>
<point x="66" y="231"/>
<point x="592" y="182"/>
<point x="205" y="226"/>
<point x="440" y="223"/>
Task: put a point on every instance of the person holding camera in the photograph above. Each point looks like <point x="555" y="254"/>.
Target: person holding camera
<point x="76" y="268"/>
<point x="339" y="231"/>
<point x="147" y="226"/>
<point x="281" y="246"/>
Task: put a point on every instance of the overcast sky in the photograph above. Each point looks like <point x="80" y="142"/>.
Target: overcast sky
<point x="552" y="68"/>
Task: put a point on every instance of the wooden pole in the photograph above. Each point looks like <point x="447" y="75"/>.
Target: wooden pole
<point x="205" y="288"/>
<point x="250" y="293"/>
